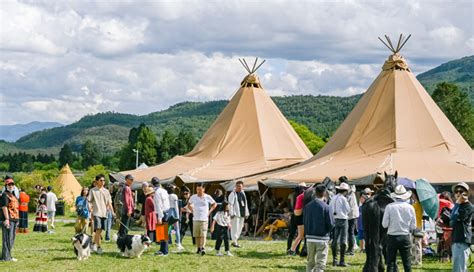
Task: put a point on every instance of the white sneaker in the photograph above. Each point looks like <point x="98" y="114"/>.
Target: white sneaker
<point x="14" y="260"/>
<point x="219" y="254"/>
<point x="180" y="247"/>
<point x="229" y="254"/>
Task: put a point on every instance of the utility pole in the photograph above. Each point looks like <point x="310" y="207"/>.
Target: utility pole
<point x="136" y="158"/>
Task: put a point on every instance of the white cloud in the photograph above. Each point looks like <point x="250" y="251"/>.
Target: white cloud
<point x="60" y="60"/>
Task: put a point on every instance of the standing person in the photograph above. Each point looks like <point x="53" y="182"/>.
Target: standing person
<point x="399" y="218"/>
<point x="174" y="215"/>
<point x="199" y="206"/>
<point x="352" y="219"/>
<point x="221" y="224"/>
<point x="417" y="248"/>
<point x="127" y="207"/>
<point x="82" y="210"/>
<point x="218" y="197"/>
<point x="51" y="200"/>
<point x="41" y="220"/>
<point x="317" y="224"/>
<point x="293" y="226"/>
<point x="150" y="213"/>
<point x="186" y="214"/>
<point x="365" y="194"/>
<point x="162" y="206"/>
<point x="461" y="220"/>
<point x="9" y="216"/>
<point x="340" y="211"/>
<point x="238" y="211"/>
<point x="298" y="212"/>
<point x="100" y="200"/>
<point x="23" y="224"/>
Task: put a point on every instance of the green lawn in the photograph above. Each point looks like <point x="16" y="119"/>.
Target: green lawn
<point x="54" y="252"/>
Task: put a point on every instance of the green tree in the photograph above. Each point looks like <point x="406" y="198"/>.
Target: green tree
<point x="146" y="145"/>
<point x="127" y="157"/>
<point x="91" y="154"/>
<point x="311" y="140"/>
<point x="89" y="176"/>
<point x="65" y="156"/>
<point x="456" y="106"/>
<point x="165" y="149"/>
<point x="184" y="143"/>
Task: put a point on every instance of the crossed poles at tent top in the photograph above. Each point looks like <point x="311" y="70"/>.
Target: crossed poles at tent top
<point x="401" y="42"/>
<point x="254" y="67"/>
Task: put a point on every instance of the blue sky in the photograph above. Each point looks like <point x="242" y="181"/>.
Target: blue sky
<point x="60" y="60"/>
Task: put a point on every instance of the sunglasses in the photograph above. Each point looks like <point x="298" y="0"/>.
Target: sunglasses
<point x="458" y="191"/>
<point x="11" y="184"/>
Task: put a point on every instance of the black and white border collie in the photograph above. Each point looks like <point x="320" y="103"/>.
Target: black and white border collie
<point x="82" y="246"/>
<point x="132" y="245"/>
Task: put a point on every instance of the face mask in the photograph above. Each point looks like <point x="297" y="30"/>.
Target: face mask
<point x="42" y="200"/>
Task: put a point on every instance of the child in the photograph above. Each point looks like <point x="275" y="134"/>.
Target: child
<point x="41" y="222"/>
<point x="150" y="213"/>
<point x="280" y="223"/>
<point x="221" y="223"/>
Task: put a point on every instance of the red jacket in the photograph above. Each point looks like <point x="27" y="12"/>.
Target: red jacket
<point x="150" y="213"/>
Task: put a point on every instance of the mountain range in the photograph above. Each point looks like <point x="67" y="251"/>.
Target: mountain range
<point x="322" y="114"/>
<point x="11" y="133"/>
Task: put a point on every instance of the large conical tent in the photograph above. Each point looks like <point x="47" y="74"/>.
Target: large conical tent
<point x="250" y="136"/>
<point x="395" y="126"/>
<point x="69" y="184"/>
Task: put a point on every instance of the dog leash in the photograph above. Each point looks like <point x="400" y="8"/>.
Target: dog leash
<point x="123" y="224"/>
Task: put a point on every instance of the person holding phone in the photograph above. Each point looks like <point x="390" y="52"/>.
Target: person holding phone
<point x="461" y="218"/>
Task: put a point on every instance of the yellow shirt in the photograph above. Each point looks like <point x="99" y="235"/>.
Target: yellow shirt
<point x="418" y="214"/>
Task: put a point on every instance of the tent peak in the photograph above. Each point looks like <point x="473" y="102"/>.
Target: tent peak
<point x="395" y="61"/>
<point x="251" y="80"/>
<point x="401" y="42"/>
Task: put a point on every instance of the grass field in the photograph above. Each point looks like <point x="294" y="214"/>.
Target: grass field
<point x="54" y="252"/>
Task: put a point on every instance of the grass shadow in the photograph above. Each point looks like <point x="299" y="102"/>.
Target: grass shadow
<point x="64" y="258"/>
<point x="260" y="255"/>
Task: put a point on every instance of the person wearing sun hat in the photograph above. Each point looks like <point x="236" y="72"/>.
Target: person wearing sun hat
<point x="9" y="215"/>
<point x="339" y="207"/>
<point x="461" y="218"/>
<point x="150" y="213"/>
<point x="399" y="218"/>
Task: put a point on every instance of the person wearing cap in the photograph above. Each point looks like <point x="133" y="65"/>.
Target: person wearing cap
<point x="399" y="218"/>
<point x="128" y="207"/>
<point x="340" y="212"/>
<point x="150" y="213"/>
<point x="317" y="224"/>
<point x="461" y="220"/>
<point x="51" y="200"/>
<point x="9" y="216"/>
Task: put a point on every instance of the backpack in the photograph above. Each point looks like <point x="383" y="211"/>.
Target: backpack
<point x="119" y="199"/>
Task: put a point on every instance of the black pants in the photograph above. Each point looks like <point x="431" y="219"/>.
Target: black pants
<point x="401" y="243"/>
<point x="291" y="232"/>
<point x="123" y="230"/>
<point x="8" y="240"/>
<point x="185" y="226"/>
<point x="351" y="234"/>
<point x="222" y="233"/>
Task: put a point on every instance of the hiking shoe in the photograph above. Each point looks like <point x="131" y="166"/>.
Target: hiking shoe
<point x="219" y="254"/>
<point x="236" y="245"/>
<point x="229" y="254"/>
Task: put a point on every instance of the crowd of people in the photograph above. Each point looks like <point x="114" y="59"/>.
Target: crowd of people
<point x="317" y="218"/>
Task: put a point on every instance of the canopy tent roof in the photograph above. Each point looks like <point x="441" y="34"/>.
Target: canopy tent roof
<point x="69" y="185"/>
<point x="250" y="136"/>
<point x="395" y="126"/>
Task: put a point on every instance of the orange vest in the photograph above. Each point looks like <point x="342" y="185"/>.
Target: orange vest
<point x="24" y="199"/>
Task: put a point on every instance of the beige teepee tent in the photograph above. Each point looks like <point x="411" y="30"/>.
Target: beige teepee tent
<point x="250" y="136"/>
<point x="395" y="126"/>
<point x="69" y="184"/>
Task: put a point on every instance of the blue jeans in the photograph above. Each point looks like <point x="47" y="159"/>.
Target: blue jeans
<point x="108" y="225"/>
<point x="461" y="252"/>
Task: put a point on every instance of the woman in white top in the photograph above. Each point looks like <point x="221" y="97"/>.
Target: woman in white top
<point x="174" y="215"/>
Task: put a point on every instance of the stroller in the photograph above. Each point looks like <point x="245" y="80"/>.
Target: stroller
<point x="444" y="235"/>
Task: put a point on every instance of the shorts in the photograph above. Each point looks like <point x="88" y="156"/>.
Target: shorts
<point x="99" y="223"/>
<point x="360" y="234"/>
<point x="200" y="228"/>
<point x="299" y="220"/>
<point x="51" y="214"/>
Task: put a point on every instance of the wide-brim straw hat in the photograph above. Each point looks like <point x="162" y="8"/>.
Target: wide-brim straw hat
<point x="149" y="191"/>
<point x="401" y="193"/>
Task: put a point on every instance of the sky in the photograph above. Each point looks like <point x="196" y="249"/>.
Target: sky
<point x="61" y="60"/>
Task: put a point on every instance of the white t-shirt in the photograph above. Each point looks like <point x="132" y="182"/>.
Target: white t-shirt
<point x="51" y="200"/>
<point x="201" y="206"/>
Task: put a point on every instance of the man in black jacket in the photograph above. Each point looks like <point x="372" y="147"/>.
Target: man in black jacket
<point x="317" y="225"/>
<point x="461" y="217"/>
